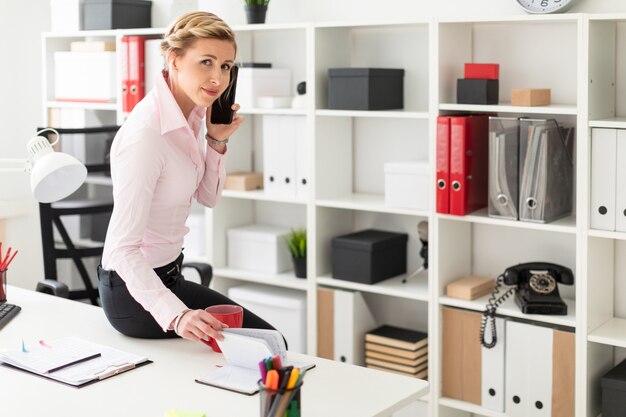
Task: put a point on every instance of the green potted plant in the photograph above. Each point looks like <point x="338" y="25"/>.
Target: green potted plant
<point x="297" y="246"/>
<point x="256" y="10"/>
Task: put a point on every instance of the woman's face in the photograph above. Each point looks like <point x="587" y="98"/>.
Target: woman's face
<point x="203" y="72"/>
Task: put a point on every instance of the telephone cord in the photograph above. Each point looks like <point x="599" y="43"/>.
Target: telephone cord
<point x="489" y="315"/>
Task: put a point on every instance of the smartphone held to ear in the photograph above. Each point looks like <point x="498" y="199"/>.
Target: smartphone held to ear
<point x="221" y="111"/>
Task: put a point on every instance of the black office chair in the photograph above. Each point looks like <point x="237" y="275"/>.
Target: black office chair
<point x="51" y="214"/>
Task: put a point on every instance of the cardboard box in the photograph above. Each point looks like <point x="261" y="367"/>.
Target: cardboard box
<point x="365" y="88"/>
<point x="470" y="287"/>
<point x="530" y="96"/>
<point x="482" y="71"/>
<point x="244" y="181"/>
<point x="407" y="185"/>
<point x="258" y="247"/>
<point x="369" y="256"/>
<point x="471" y="91"/>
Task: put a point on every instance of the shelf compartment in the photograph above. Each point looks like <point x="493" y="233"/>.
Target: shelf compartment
<point x="612" y="333"/>
<point x="260" y="195"/>
<point x="469" y="407"/>
<point x="510" y="309"/>
<point x="564" y="109"/>
<point x="391" y="114"/>
<point x="285" y="280"/>
<point x="564" y="225"/>
<point x="367" y="202"/>
<point x="416" y="288"/>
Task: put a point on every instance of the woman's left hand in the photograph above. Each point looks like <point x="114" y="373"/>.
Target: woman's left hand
<point x="223" y="132"/>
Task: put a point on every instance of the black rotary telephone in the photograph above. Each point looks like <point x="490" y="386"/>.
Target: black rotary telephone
<point x="537" y="292"/>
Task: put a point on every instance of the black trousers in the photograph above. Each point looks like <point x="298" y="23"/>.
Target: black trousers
<point x="128" y="317"/>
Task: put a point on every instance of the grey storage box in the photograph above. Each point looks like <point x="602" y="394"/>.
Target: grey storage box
<point x="365" y="88"/>
<point x="369" y="256"/>
<point x="116" y="14"/>
<point x="614" y="391"/>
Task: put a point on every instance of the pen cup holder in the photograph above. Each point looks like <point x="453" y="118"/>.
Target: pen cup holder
<point x="3" y="285"/>
<point x="280" y="402"/>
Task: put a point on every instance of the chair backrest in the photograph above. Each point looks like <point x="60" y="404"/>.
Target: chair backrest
<point x="90" y="213"/>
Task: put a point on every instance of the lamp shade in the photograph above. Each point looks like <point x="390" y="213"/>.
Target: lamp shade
<point x="55" y="175"/>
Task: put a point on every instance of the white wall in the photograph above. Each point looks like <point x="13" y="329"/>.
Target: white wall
<point x="21" y="23"/>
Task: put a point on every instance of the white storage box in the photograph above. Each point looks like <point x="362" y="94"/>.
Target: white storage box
<point x="85" y="76"/>
<point x="66" y="15"/>
<point x="253" y="83"/>
<point x="259" y="247"/>
<point x="406" y="184"/>
<point x="194" y="239"/>
<point x="283" y="308"/>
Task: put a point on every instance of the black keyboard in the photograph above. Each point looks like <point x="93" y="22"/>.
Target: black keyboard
<point x="7" y="312"/>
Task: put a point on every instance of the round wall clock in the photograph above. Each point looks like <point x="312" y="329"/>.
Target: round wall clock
<point x="545" y="6"/>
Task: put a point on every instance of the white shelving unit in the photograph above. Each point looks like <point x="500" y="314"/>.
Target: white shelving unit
<point x="347" y="150"/>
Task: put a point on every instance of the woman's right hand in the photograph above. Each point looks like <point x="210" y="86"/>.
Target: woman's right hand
<point x="200" y="325"/>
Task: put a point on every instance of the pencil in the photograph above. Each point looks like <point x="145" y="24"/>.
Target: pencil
<point x="66" y="365"/>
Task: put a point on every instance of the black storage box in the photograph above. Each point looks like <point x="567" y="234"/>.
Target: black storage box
<point x="614" y="391"/>
<point x="116" y="14"/>
<point x="476" y="91"/>
<point x="369" y="256"/>
<point x="365" y="88"/>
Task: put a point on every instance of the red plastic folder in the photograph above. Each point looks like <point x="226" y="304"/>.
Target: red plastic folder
<point x="443" y="164"/>
<point x="123" y="54"/>
<point x="469" y="154"/>
<point x="136" y="71"/>
<point x="482" y="71"/>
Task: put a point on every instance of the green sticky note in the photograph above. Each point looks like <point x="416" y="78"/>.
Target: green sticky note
<point x="177" y="413"/>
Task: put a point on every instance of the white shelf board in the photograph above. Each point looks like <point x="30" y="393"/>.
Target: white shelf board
<point x="510" y="309"/>
<point x="469" y="407"/>
<point x="507" y="108"/>
<point x="376" y="24"/>
<point x="367" y="202"/>
<point x="285" y="279"/>
<point x="389" y="114"/>
<point x="269" y="27"/>
<point x="416" y="288"/>
<point x="98" y="179"/>
<point x="287" y="111"/>
<point x="612" y="333"/>
<point x="81" y="105"/>
<point x="522" y="18"/>
<point x="564" y="225"/>
<point x="611" y="123"/>
<point x="607" y="234"/>
<point x="14" y="208"/>
<point x="607" y="16"/>
<point x="106" y="33"/>
<point x="261" y="195"/>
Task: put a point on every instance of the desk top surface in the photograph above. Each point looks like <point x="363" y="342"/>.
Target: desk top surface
<point x="330" y="389"/>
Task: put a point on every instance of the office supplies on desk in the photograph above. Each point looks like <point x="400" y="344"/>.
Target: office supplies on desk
<point x="244" y="349"/>
<point x="72" y="361"/>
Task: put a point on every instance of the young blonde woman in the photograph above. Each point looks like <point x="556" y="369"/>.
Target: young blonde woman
<point x="159" y="163"/>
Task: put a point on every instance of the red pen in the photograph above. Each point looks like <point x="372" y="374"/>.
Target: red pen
<point x="6" y="266"/>
<point x="276" y="362"/>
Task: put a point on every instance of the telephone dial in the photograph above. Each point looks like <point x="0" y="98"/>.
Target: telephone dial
<point x="536" y="292"/>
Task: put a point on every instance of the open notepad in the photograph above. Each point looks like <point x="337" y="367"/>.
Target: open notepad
<point x="243" y="350"/>
<point x="72" y="360"/>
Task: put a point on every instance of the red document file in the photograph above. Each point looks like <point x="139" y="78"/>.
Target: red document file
<point x="136" y="71"/>
<point x="469" y="154"/>
<point x="123" y="54"/>
<point x="443" y="164"/>
<point x="482" y="71"/>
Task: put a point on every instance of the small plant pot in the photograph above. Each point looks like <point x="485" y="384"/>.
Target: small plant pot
<point x="255" y="13"/>
<point x="299" y="267"/>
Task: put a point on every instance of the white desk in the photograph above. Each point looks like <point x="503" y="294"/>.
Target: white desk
<point x="331" y="389"/>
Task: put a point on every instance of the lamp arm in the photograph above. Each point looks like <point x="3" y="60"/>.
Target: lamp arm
<point x="19" y="165"/>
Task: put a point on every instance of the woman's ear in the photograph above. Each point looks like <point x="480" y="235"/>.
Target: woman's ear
<point x="170" y="61"/>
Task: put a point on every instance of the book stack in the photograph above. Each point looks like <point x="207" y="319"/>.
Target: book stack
<point x="397" y="350"/>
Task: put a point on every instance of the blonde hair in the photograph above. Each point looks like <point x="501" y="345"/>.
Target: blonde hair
<point x="193" y="26"/>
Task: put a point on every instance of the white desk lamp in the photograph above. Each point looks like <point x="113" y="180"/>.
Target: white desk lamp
<point x="54" y="175"/>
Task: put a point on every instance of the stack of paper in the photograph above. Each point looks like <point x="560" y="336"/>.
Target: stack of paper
<point x="397" y="350"/>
